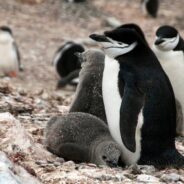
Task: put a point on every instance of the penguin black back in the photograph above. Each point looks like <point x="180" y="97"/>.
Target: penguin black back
<point x="67" y="60"/>
<point x="67" y="64"/>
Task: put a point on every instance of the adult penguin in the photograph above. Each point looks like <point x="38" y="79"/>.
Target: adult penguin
<point x="169" y="49"/>
<point x="139" y="100"/>
<point x="67" y="64"/>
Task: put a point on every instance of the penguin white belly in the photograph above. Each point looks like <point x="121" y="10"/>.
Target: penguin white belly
<point x="8" y="59"/>
<point x="112" y="103"/>
<point x="173" y="64"/>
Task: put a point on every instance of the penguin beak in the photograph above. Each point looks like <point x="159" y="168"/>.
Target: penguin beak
<point x="99" y="38"/>
<point x="159" y="41"/>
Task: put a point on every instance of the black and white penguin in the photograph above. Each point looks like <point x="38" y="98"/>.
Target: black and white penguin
<point x="139" y="100"/>
<point x="88" y="96"/>
<point x="10" y="63"/>
<point x="169" y="49"/>
<point x="150" y="7"/>
<point x="67" y="64"/>
<point x="81" y="137"/>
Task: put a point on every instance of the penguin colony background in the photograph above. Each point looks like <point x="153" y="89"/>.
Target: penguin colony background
<point x="125" y="88"/>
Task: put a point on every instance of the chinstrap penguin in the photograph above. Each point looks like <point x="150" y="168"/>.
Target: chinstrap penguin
<point x="81" y="137"/>
<point x="150" y="7"/>
<point x="169" y="49"/>
<point x="88" y="96"/>
<point x="67" y="64"/>
<point x="10" y="63"/>
<point x="139" y="100"/>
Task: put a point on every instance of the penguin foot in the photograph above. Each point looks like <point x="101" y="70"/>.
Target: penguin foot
<point x="12" y="74"/>
<point x="170" y="158"/>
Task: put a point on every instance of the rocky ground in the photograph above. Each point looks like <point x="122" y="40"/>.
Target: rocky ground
<point x="27" y="102"/>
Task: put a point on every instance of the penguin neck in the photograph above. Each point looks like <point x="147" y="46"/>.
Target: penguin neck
<point x="138" y="56"/>
<point x="180" y="45"/>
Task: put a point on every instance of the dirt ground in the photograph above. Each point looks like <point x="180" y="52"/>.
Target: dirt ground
<point x="39" y="30"/>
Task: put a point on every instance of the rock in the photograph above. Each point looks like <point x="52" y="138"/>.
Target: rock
<point x="13" y="174"/>
<point x="143" y="169"/>
<point x="147" y="179"/>
<point x="173" y="177"/>
<point x="15" y="136"/>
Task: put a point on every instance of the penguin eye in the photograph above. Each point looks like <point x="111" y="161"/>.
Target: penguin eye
<point x="120" y="43"/>
<point x="104" y="157"/>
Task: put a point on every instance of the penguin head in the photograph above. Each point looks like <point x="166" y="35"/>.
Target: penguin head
<point x="118" y="41"/>
<point x="107" y="153"/>
<point x="167" y="38"/>
<point x="136" y="28"/>
<point x="5" y="34"/>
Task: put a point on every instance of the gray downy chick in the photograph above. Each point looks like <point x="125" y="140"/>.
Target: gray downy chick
<point x="88" y="97"/>
<point x="81" y="137"/>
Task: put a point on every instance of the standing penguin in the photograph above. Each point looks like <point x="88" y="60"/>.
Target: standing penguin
<point x="67" y="64"/>
<point x="88" y="97"/>
<point x="81" y="137"/>
<point x="10" y="63"/>
<point x="169" y="49"/>
<point x="139" y="100"/>
<point x="150" y="7"/>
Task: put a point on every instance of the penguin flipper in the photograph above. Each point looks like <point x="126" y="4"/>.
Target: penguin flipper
<point x="73" y="151"/>
<point x="131" y="106"/>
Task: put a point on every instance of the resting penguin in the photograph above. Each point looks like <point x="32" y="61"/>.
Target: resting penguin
<point x="169" y="49"/>
<point x="10" y="63"/>
<point x="150" y="7"/>
<point x="88" y="96"/>
<point x="81" y="137"/>
<point x="139" y="100"/>
<point x="67" y="64"/>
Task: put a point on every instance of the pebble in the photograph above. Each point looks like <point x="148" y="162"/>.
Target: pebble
<point x="170" y="177"/>
<point x="147" y="178"/>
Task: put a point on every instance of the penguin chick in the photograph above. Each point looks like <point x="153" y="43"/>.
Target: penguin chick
<point x="169" y="49"/>
<point x="10" y="63"/>
<point x="81" y="137"/>
<point x="66" y="62"/>
<point x="88" y="96"/>
<point x="150" y="7"/>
